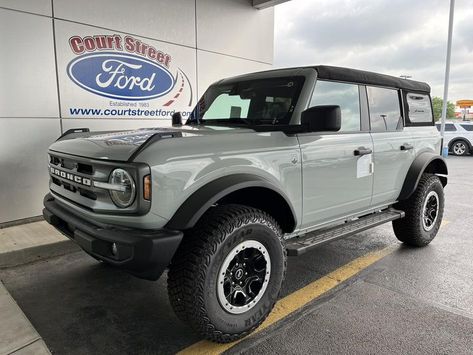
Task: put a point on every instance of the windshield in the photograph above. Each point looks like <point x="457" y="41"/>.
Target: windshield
<point x="263" y="101"/>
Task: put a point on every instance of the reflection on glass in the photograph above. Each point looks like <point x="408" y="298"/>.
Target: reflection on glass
<point x="251" y="102"/>
<point x="344" y="95"/>
<point x="385" y="112"/>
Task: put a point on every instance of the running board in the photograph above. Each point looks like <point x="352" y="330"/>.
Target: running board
<point x="297" y="246"/>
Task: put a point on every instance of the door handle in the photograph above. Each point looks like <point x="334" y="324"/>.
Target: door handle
<point x="362" y="151"/>
<point x="407" y="146"/>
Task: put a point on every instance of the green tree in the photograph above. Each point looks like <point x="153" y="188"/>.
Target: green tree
<point x="437" y="103"/>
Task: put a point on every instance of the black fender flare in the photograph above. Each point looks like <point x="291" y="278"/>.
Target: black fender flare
<point x="424" y="162"/>
<point x="201" y="200"/>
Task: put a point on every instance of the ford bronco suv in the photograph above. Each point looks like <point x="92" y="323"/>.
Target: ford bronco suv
<point x="268" y="164"/>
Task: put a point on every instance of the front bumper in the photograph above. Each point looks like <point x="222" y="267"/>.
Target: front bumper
<point x="144" y="253"/>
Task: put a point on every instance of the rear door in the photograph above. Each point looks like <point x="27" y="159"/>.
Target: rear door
<point x="393" y="149"/>
<point x="336" y="182"/>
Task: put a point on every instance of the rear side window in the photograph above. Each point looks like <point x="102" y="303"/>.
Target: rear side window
<point x="449" y="127"/>
<point x="385" y="111"/>
<point x="468" y="127"/>
<point x="419" y="109"/>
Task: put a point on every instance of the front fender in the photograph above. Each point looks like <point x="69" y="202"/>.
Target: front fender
<point x="200" y="201"/>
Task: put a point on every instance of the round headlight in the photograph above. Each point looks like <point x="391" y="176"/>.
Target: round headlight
<point x="125" y="193"/>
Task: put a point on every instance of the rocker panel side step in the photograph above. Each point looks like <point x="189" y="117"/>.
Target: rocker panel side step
<point x="298" y="246"/>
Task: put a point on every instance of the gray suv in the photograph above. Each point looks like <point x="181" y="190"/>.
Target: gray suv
<point x="267" y="165"/>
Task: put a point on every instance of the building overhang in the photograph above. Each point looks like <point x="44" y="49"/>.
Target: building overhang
<point x="263" y="4"/>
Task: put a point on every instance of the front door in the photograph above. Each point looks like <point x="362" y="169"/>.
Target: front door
<point x="337" y="177"/>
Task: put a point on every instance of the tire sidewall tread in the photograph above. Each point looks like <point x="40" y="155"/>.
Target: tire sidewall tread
<point x="193" y="271"/>
<point x="409" y="229"/>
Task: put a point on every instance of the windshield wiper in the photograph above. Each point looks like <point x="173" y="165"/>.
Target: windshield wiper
<point x="226" y="121"/>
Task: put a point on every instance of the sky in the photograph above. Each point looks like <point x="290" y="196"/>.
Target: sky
<point x="396" y="37"/>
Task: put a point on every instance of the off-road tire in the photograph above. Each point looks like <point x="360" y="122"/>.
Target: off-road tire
<point x="410" y="229"/>
<point x="192" y="277"/>
<point x="459" y="141"/>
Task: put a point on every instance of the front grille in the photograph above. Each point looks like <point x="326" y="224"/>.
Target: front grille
<point x="73" y="179"/>
<point x="88" y="194"/>
<point x="72" y="165"/>
<point x="85" y="169"/>
<point x="56" y="181"/>
<point x="83" y="192"/>
<point x="54" y="160"/>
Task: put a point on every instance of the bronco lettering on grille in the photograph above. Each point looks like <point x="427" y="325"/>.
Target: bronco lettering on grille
<point x="68" y="176"/>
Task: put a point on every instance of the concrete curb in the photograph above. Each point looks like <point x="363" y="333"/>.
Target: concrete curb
<point x="17" y="334"/>
<point x="32" y="242"/>
<point x="35" y="253"/>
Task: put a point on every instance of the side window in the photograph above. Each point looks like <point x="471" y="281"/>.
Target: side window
<point x="385" y="111"/>
<point x="468" y="127"/>
<point x="419" y="108"/>
<point x="450" y="127"/>
<point x="344" y="95"/>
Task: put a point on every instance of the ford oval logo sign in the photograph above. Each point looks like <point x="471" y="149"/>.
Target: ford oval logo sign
<point x="120" y="76"/>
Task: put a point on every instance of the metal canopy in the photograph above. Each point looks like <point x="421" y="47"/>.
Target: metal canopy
<point x="263" y="4"/>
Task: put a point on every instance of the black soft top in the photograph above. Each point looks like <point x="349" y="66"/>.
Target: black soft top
<point x="369" y="78"/>
<point x="339" y="74"/>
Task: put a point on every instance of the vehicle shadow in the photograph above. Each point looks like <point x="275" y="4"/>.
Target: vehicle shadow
<point x="80" y="306"/>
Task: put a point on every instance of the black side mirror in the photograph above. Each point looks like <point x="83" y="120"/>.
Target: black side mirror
<point x="176" y="119"/>
<point x="322" y="118"/>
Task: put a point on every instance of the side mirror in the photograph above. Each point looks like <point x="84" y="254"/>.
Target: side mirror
<point x="322" y="118"/>
<point x="176" y="119"/>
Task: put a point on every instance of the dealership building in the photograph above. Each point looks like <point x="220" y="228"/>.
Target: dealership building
<point x="110" y="64"/>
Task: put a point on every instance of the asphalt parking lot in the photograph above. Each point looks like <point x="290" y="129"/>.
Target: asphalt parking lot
<point x="410" y="301"/>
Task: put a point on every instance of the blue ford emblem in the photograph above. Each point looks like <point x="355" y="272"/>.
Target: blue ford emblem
<point x="120" y="76"/>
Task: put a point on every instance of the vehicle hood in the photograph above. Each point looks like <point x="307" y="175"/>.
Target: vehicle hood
<point x="124" y="145"/>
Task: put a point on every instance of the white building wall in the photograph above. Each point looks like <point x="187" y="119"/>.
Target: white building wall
<point x="233" y="28"/>
<point x="205" y="39"/>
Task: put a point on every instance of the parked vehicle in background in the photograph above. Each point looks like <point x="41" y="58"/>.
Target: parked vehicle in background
<point x="268" y="165"/>
<point x="458" y="137"/>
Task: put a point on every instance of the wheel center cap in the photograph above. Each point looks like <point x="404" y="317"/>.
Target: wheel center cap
<point x="239" y="274"/>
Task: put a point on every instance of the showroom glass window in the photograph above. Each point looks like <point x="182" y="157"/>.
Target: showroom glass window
<point x="344" y="95"/>
<point x="384" y="108"/>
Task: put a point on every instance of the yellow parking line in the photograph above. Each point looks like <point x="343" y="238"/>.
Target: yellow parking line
<point x="298" y="299"/>
<point x="444" y="223"/>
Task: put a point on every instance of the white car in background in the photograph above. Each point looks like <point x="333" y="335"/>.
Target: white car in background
<point x="458" y="137"/>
